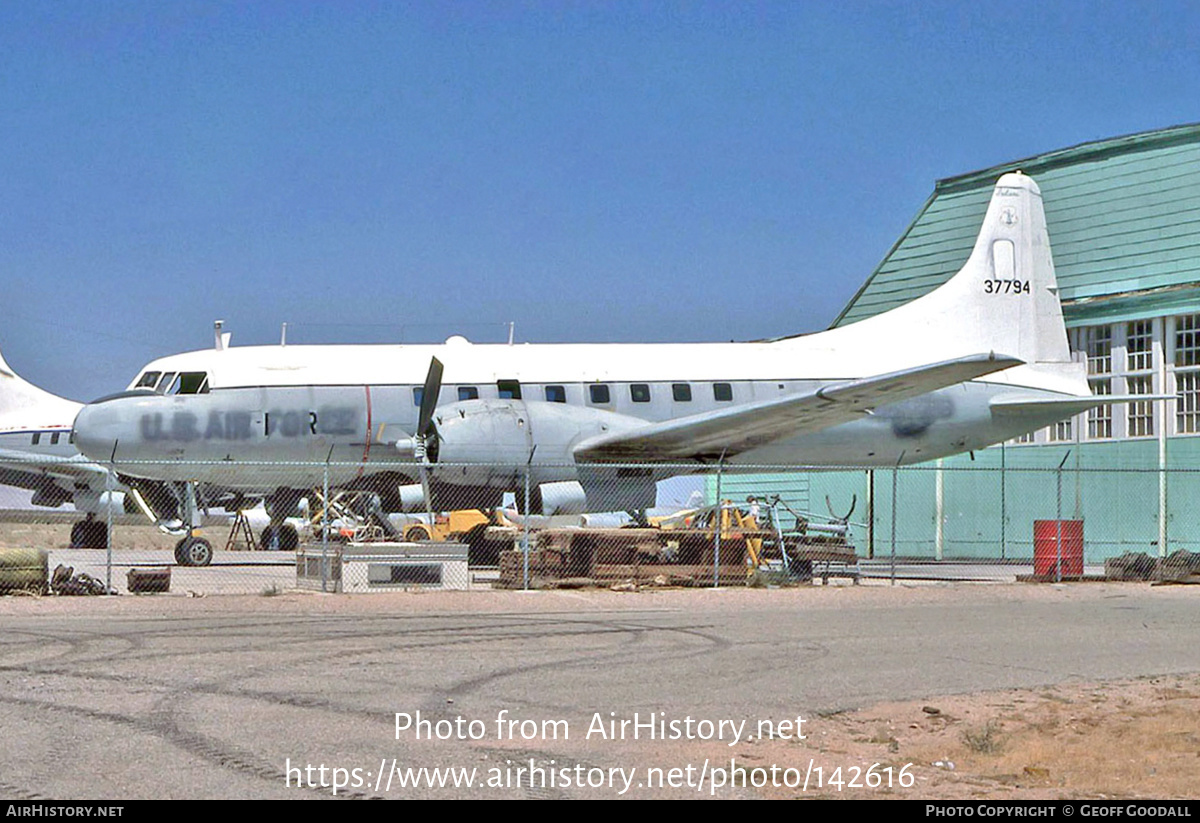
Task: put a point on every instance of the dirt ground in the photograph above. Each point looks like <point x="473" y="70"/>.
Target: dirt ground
<point x="52" y="530"/>
<point x="1130" y="740"/>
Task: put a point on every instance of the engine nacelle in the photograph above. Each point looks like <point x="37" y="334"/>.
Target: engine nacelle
<point x="99" y="503"/>
<point x="485" y="446"/>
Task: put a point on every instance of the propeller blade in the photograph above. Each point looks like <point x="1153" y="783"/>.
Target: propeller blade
<point x="429" y="398"/>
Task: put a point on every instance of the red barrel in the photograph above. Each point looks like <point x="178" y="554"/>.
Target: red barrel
<point x="1045" y="547"/>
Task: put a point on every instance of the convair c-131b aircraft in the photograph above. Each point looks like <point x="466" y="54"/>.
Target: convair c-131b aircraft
<point x="979" y="360"/>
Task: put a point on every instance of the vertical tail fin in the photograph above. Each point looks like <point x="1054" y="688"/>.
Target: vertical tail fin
<point x="23" y="404"/>
<point x="1005" y="297"/>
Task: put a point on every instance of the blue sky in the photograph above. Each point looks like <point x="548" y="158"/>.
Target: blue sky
<point x="381" y="172"/>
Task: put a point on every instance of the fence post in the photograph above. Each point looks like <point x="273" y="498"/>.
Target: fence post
<point x="108" y="522"/>
<point x="870" y="514"/>
<point x="939" y="509"/>
<point x="895" y="482"/>
<point x="1058" y="520"/>
<point x="1003" y="502"/>
<point x="717" y="512"/>
<point x="525" y="536"/>
<point x="324" y="528"/>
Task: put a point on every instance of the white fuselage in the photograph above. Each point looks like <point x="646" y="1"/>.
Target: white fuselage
<point x="349" y="404"/>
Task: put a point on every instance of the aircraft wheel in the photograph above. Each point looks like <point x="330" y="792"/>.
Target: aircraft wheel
<point x="417" y="534"/>
<point x="78" y="532"/>
<point x="193" y="551"/>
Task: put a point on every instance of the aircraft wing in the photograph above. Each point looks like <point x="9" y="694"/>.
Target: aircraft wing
<point x="743" y="427"/>
<point x="75" y="468"/>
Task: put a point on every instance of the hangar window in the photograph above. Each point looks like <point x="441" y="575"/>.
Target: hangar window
<point x="599" y="393"/>
<point x="1187" y="341"/>
<point x="1139" y="337"/>
<point x="556" y="394"/>
<point x="148" y="380"/>
<point x="1097" y="343"/>
<point x="682" y="392"/>
<point x="468" y="392"/>
<point x="639" y="392"/>
<point x="509" y="389"/>
<point x="1187" y="404"/>
<point x="1187" y="374"/>
<point x="1100" y="418"/>
<point x="1141" y="412"/>
<point x="1060" y="432"/>
<point x="189" y="382"/>
<point x="723" y="392"/>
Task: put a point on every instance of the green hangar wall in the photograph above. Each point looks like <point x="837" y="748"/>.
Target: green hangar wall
<point x="1124" y="222"/>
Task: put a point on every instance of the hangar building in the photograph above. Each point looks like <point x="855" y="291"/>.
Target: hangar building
<point x="1124" y="221"/>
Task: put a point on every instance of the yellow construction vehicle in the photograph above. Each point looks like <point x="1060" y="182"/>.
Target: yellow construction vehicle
<point x="451" y="526"/>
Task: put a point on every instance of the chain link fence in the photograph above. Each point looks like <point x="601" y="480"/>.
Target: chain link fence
<point x="537" y="525"/>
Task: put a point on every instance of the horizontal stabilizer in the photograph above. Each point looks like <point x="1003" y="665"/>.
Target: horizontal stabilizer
<point x="710" y="435"/>
<point x="1068" y="406"/>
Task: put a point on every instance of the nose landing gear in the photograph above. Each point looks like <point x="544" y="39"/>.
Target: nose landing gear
<point x="192" y="550"/>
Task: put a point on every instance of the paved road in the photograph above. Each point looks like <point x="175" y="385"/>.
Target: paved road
<point x="215" y="697"/>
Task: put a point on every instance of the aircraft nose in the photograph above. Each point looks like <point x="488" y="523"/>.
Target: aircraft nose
<point x="96" y="431"/>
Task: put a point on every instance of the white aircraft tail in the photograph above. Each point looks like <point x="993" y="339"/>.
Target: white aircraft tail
<point x="1003" y="300"/>
<point x="24" y="404"/>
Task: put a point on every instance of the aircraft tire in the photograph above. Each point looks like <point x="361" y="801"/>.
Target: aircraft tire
<point x="193" y="551"/>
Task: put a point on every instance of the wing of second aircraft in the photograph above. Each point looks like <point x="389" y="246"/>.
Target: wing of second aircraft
<point x="740" y="428"/>
<point x="74" y="467"/>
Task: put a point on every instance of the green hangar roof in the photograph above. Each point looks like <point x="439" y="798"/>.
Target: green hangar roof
<point x="1124" y="222"/>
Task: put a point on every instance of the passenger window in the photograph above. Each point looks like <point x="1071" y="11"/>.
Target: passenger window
<point x="639" y="392"/>
<point x="418" y="393"/>
<point x="599" y="393"/>
<point x="509" y="389"/>
<point x="468" y="392"/>
<point x="148" y="380"/>
<point x="722" y="392"/>
<point x="37" y="438"/>
<point x="556" y="394"/>
<point x="682" y="392"/>
<point x="54" y="439"/>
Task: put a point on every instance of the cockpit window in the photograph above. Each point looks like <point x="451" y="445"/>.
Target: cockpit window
<point x="165" y="383"/>
<point x="148" y="380"/>
<point x="189" y="382"/>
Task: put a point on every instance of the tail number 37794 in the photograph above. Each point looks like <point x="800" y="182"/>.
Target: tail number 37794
<point x="1006" y="287"/>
